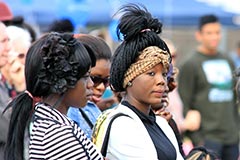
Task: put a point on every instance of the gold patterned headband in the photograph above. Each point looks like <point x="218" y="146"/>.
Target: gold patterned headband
<point x="147" y="59"/>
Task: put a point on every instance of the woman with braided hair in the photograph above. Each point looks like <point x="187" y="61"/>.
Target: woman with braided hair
<point x="139" y="69"/>
<point x="57" y="74"/>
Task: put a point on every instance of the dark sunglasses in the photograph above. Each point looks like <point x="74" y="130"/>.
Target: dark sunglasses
<point x="98" y="80"/>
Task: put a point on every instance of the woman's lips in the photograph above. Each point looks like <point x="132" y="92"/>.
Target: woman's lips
<point x="158" y="93"/>
<point x="96" y="99"/>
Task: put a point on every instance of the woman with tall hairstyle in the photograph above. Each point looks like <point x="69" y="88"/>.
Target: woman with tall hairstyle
<point x="139" y="69"/>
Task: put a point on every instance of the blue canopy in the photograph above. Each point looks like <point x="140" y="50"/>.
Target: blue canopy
<point x="170" y="12"/>
<point x="82" y="12"/>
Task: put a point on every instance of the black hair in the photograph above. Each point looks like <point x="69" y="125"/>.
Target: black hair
<point x="201" y="153"/>
<point x="54" y="63"/>
<point x="61" y="26"/>
<point x="139" y="30"/>
<point x="97" y="44"/>
<point x="209" y="18"/>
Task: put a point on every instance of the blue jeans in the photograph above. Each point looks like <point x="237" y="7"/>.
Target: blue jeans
<point x="224" y="151"/>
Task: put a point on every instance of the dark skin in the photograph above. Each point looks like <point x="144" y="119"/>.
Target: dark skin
<point x="76" y="96"/>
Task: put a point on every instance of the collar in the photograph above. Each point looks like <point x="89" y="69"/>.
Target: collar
<point x="151" y="118"/>
<point x="46" y="111"/>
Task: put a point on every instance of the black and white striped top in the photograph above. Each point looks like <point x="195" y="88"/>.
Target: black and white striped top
<point x="54" y="136"/>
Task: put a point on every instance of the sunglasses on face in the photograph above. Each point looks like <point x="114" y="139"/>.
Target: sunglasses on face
<point x="98" y="80"/>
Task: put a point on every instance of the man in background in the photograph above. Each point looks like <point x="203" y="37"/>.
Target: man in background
<point x="235" y="55"/>
<point x="206" y="85"/>
<point x="4" y="97"/>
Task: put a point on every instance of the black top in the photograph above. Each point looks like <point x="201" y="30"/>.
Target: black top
<point x="165" y="149"/>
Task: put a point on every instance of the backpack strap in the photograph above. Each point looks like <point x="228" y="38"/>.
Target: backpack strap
<point x="106" y="138"/>
<point x="90" y="124"/>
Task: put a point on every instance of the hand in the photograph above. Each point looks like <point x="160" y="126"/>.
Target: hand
<point x="163" y="104"/>
<point x="192" y="120"/>
<point x="164" y="113"/>
<point x="106" y="103"/>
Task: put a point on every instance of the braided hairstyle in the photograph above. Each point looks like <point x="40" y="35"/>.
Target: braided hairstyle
<point x="140" y="30"/>
<point x="54" y="63"/>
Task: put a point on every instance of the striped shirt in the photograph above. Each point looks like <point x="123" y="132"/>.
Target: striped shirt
<point x="54" y="136"/>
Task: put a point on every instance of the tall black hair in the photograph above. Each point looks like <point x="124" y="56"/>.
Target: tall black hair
<point x="140" y="30"/>
<point x="205" y="19"/>
<point x="54" y="63"/>
<point x="97" y="45"/>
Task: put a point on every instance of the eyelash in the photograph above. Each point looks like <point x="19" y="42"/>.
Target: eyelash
<point x="151" y="73"/>
<point x="86" y="76"/>
<point x="164" y="74"/>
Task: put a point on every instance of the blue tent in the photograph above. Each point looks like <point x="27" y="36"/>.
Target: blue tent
<point x="170" y="12"/>
<point x="83" y="12"/>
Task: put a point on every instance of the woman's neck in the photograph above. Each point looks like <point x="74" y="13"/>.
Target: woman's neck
<point x="144" y="108"/>
<point x="56" y="101"/>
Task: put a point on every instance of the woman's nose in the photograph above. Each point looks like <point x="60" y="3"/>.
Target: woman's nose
<point x="90" y="83"/>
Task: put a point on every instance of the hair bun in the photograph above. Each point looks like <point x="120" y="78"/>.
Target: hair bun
<point x="135" y="21"/>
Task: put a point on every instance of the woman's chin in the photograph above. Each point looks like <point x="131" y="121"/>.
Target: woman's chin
<point x="83" y="103"/>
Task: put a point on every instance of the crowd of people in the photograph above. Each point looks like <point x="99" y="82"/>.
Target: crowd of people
<point x="53" y="88"/>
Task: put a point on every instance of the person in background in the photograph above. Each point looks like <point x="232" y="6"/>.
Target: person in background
<point x="19" y="21"/>
<point x="4" y="97"/>
<point x="61" y="26"/>
<point x="87" y="116"/>
<point x="57" y="74"/>
<point x="13" y="71"/>
<point x="206" y="85"/>
<point x="175" y="106"/>
<point x="20" y="40"/>
<point x="4" y="50"/>
<point x="139" y="69"/>
<point x="235" y="55"/>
